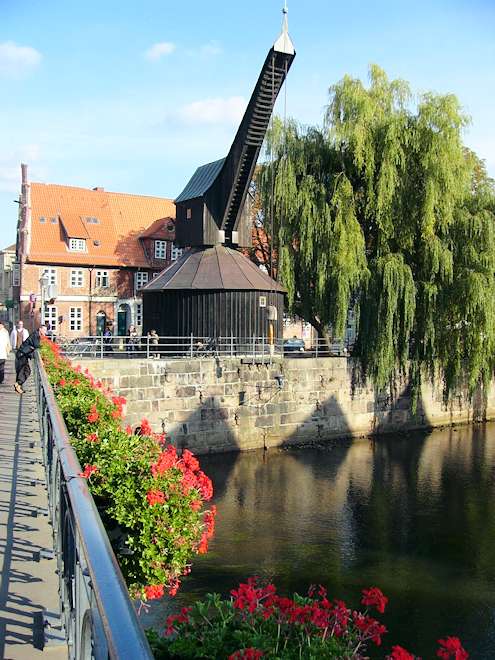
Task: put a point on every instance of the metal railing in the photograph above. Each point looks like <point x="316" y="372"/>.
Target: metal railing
<point x="198" y="347"/>
<point x="169" y="347"/>
<point x="99" y="618"/>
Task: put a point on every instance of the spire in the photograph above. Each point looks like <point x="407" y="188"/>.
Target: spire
<point x="284" y="43"/>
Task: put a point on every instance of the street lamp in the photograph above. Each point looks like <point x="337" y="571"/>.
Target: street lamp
<point x="44" y="281"/>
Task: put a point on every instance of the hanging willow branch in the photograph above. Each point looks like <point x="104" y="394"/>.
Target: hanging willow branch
<point x="384" y="210"/>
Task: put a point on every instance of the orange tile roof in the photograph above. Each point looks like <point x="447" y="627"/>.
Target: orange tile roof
<point x="122" y="219"/>
<point x="159" y="229"/>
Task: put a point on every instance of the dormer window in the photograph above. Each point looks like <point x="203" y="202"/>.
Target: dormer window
<point x="77" y="244"/>
<point x="160" y="249"/>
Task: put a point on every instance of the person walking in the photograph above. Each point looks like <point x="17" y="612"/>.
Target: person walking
<point x="18" y="335"/>
<point x="5" y="348"/>
<point x="25" y="353"/>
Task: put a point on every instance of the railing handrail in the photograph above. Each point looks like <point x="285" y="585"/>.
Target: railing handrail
<point x="124" y="635"/>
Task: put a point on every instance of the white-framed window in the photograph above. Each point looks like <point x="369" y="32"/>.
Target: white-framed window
<point x="51" y="274"/>
<point x="50" y="316"/>
<point x="75" y="318"/>
<point x="77" y="244"/>
<point x="139" y="314"/>
<point x="188" y="214"/>
<point x="141" y="279"/>
<point x="176" y="252"/>
<point x="160" y="249"/>
<point x="102" y="278"/>
<point x="76" y="278"/>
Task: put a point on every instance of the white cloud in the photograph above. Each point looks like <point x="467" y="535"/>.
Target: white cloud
<point x="157" y="51"/>
<point x="211" y="48"/>
<point x="214" y="111"/>
<point x="16" y="61"/>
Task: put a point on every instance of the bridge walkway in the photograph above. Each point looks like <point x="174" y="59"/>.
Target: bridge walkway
<point x="29" y="602"/>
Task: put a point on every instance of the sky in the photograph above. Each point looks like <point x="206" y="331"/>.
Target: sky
<point x="133" y="96"/>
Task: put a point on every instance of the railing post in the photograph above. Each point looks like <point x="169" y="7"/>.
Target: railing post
<point x="317" y="342"/>
<point x="148" y="347"/>
<point x="231" y="345"/>
<point x="101" y="346"/>
<point x="263" y="348"/>
<point x="192" y="345"/>
<point x="253" y="349"/>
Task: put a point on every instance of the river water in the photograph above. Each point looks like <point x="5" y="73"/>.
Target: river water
<point x="413" y="514"/>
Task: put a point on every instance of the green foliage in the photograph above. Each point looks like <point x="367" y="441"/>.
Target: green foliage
<point x="385" y="211"/>
<point x="151" y="501"/>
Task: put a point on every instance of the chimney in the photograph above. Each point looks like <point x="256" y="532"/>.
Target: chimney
<point x="25" y="218"/>
<point x="98" y="189"/>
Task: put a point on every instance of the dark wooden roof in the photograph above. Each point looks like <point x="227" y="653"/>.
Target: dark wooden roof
<point x="216" y="268"/>
<point x="201" y="180"/>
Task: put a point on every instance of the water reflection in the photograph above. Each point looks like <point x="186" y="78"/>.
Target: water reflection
<point x="413" y="514"/>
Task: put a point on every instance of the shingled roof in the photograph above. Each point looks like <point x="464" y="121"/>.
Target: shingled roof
<point x="201" y="180"/>
<point x="216" y="268"/>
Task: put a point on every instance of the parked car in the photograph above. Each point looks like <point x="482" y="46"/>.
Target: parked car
<point x="294" y="345"/>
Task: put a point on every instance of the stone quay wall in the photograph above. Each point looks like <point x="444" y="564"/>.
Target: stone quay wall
<point x="216" y="405"/>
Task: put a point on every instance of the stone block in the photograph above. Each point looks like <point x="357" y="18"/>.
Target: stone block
<point x="187" y="391"/>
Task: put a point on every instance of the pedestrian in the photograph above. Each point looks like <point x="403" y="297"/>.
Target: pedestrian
<point x="107" y="339"/>
<point x="25" y="353"/>
<point x="132" y="339"/>
<point x="18" y="335"/>
<point x="5" y="348"/>
<point x="153" y="340"/>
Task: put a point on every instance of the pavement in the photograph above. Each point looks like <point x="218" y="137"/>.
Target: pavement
<point x="29" y="604"/>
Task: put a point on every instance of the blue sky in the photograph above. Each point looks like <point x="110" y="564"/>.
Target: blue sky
<point x="133" y="96"/>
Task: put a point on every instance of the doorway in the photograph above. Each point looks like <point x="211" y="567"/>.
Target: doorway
<point x="101" y="321"/>
<point x="123" y="319"/>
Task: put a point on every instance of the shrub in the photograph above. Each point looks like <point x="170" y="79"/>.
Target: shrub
<point x="152" y="501"/>
<point x="258" y="623"/>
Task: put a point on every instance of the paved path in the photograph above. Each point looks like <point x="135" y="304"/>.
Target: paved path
<point x="29" y="584"/>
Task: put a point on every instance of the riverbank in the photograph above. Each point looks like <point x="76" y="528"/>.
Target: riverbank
<point x="219" y="405"/>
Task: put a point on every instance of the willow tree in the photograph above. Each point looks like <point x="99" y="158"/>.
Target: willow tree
<point x="383" y="208"/>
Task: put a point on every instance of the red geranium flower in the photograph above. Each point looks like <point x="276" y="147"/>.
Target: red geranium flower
<point x="88" y="471"/>
<point x="451" y="647"/>
<point x="373" y="597"/>
<point x="173" y="587"/>
<point x="155" y="497"/>
<point x="183" y="617"/>
<point x="247" y="654"/>
<point x="92" y="437"/>
<point x="93" y="415"/>
<point x="145" y="427"/>
<point x="398" y="653"/>
<point x="153" y="591"/>
<point x="62" y="382"/>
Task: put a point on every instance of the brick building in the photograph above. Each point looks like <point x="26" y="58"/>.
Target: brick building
<point x="7" y="258"/>
<point x="96" y="249"/>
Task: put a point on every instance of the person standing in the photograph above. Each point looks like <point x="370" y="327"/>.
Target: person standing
<point x="25" y="353"/>
<point x="108" y="339"/>
<point x="18" y="335"/>
<point x="5" y="349"/>
<point x="153" y="340"/>
<point x="132" y="339"/>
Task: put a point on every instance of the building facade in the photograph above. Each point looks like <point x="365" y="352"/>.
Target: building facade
<point x="84" y="255"/>
<point x="7" y="258"/>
